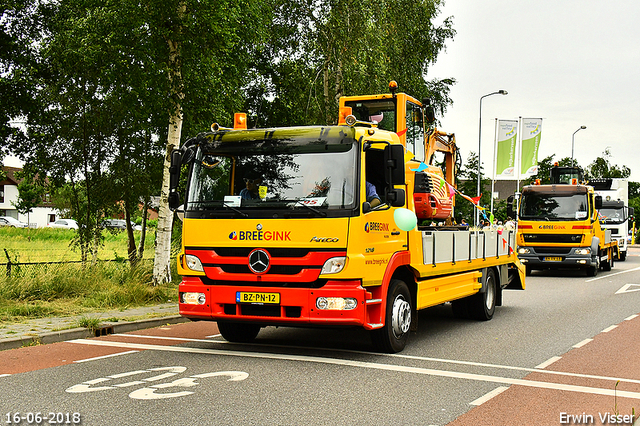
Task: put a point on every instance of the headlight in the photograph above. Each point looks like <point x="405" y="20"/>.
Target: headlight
<point x="583" y="251"/>
<point x="523" y="250"/>
<point x="193" y="263"/>
<point x="336" y="303"/>
<point x="333" y="265"/>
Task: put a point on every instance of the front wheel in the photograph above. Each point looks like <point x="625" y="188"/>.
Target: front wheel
<point x="608" y="265"/>
<point x="393" y="336"/>
<point x="238" y="331"/>
<point x="592" y="271"/>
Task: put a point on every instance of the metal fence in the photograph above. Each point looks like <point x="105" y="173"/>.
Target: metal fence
<point x="30" y="269"/>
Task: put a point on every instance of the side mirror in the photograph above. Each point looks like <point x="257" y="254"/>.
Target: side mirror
<point x="395" y="197"/>
<point x="598" y="202"/>
<point x="174" y="179"/>
<point x="394" y="163"/>
<point x="510" y="210"/>
<point x="429" y="111"/>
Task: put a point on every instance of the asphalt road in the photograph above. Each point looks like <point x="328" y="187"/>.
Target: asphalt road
<point x="558" y="347"/>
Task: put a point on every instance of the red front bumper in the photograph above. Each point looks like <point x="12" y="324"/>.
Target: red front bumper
<point x="297" y="305"/>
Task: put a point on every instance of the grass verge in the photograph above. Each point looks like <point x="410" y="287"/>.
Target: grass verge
<point x="71" y="290"/>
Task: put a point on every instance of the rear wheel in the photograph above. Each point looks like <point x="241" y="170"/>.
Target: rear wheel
<point x="238" y="331"/>
<point x="623" y="256"/>
<point x="393" y="336"/>
<point x="483" y="305"/>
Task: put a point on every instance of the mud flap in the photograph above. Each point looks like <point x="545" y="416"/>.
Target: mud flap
<point x="516" y="276"/>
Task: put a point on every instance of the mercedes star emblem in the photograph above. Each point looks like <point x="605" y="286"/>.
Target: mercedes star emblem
<point x="259" y="261"/>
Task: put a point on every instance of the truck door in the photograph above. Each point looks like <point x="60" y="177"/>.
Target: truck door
<point x="378" y="236"/>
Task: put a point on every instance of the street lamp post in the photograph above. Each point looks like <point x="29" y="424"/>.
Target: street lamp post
<point x="499" y="92"/>
<point x="572" y="139"/>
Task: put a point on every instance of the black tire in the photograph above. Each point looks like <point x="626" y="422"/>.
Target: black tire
<point x="528" y="269"/>
<point x="238" y="331"/>
<point x="393" y="336"/>
<point x="592" y="271"/>
<point x="609" y="263"/>
<point x="623" y="256"/>
<point x="483" y="305"/>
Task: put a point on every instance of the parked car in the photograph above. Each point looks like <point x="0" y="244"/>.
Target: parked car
<point x="114" y="224"/>
<point x="13" y="222"/>
<point x="120" y="224"/>
<point x="64" y="224"/>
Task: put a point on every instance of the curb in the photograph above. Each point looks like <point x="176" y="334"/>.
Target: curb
<point x="84" y="333"/>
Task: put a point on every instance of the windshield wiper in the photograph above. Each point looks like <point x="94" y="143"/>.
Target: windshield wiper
<point x="240" y="212"/>
<point x="316" y="211"/>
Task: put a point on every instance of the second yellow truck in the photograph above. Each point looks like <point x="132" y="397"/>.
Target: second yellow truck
<point x="559" y="226"/>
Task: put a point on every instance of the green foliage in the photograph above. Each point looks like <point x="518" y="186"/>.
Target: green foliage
<point x="30" y="192"/>
<point x="601" y="167"/>
<point x="73" y="289"/>
<point x="332" y="48"/>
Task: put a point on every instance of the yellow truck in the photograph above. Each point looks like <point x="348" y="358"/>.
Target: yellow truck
<point x="316" y="226"/>
<point x="559" y="225"/>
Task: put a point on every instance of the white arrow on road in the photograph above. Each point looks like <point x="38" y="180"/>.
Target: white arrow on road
<point x="628" y="288"/>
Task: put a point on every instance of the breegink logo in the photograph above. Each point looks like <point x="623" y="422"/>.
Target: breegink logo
<point x="233" y="236"/>
<point x="376" y="227"/>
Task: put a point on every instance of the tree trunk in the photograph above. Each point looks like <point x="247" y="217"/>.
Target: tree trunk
<point x="143" y="233"/>
<point x="162" y="259"/>
<point x="325" y="90"/>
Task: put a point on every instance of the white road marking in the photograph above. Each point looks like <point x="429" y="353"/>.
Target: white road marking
<point x="608" y="329"/>
<point x="581" y="344"/>
<point x="184" y="339"/>
<point x="631" y="317"/>
<point x="414" y="357"/>
<point x="612" y="275"/>
<point x="497" y="391"/>
<point x="548" y="362"/>
<point x="372" y="365"/>
<point x="4" y="375"/>
<point x="106" y="356"/>
<point x="213" y="335"/>
<point x="628" y="288"/>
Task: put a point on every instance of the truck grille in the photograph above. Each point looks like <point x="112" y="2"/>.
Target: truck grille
<point x="553" y="238"/>
<point x="287" y="267"/>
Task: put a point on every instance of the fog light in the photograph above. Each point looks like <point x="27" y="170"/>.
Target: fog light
<point x="193" y="298"/>
<point x="333" y="265"/>
<point x="193" y="263"/>
<point x="583" y="262"/>
<point x="336" y="303"/>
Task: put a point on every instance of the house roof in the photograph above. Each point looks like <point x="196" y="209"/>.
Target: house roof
<point x="11" y="176"/>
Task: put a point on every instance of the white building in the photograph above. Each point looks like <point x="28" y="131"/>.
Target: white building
<point x="41" y="215"/>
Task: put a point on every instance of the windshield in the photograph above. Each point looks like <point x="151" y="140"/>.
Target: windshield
<point x="294" y="169"/>
<point x="554" y="207"/>
<point x="610" y="215"/>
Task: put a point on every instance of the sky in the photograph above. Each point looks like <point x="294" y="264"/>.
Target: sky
<point x="572" y="63"/>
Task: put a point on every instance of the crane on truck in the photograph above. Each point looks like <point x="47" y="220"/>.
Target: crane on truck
<point x="309" y="250"/>
<point x="559" y="225"/>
